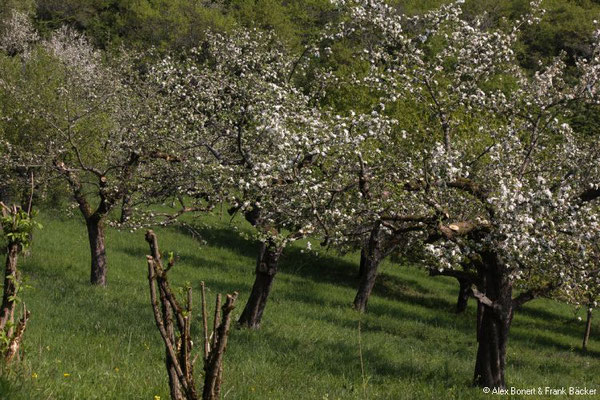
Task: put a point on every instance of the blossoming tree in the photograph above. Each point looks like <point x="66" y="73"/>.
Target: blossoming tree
<point x="80" y="119"/>
<point x="495" y="157"/>
<point x="406" y="73"/>
<point x="236" y="108"/>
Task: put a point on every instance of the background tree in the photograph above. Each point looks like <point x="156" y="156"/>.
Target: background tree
<point x="92" y="127"/>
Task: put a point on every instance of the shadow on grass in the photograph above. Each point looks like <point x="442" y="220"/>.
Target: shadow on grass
<point x="343" y="359"/>
<point x="534" y="311"/>
<point x="322" y="268"/>
<point x="373" y="323"/>
<point x="340" y="358"/>
<point x="223" y="238"/>
<point x="535" y="341"/>
<point x="5" y="385"/>
<point x="9" y="383"/>
<point x="334" y="270"/>
<point x="197" y="258"/>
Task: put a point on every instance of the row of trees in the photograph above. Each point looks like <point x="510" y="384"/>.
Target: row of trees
<point x="455" y="155"/>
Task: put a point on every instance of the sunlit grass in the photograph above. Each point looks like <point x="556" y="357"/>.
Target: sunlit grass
<point x="93" y="343"/>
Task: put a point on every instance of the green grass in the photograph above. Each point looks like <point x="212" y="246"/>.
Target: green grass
<point x="413" y="346"/>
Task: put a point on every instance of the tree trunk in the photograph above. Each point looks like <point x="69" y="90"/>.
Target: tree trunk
<point x="463" y="295"/>
<point x="363" y="260"/>
<point x="126" y="210"/>
<point x="588" y="329"/>
<point x="370" y="258"/>
<point x="480" y="309"/>
<point x="7" y="309"/>
<point x="367" y="282"/>
<point x="495" y="324"/>
<point x="95" y="228"/>
<point x="266" y="268"/>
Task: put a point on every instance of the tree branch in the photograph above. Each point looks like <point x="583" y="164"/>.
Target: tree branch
<point x="464" y="275"/>
<point x="532" y="294"/>
<point x="483" y="299"/>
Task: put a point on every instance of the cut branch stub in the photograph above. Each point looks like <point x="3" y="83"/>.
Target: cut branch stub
<point x="213" y="365"/>
<point x="174" y="324"/>
<point x="16" y="225"/>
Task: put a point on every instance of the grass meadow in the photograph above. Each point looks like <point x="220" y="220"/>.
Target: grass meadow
<point x="85" y="342"/>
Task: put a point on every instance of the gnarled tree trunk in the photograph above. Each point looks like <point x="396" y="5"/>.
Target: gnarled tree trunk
<point x="95" y="228"/>
<point x="367" y="282"/>
<point x="266" y="268"/>
<point x="371" y="256"/>
<point x="494" y="324"/>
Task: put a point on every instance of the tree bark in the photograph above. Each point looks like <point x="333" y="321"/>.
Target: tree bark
<point x="266" y="268"/>
<point x="371" y="260"/>
<point x="367" y="282"/>
<point x="7" y="309"/>
<point x="495" y="324"/>
<point x="95" y="228"/>
<point x="126" y="210"/>
<point x="464" y="292"/>
<point x="174" y="383"/>
<point x="480" y="309"/>
<point x="363" y="260"/>
<point x="588" y="329"/>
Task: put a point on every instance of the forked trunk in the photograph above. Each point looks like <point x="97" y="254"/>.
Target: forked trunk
<point x="464" y="292"/>
<point x="494" y="325"/>
<point x="95" y="228"/>
<point x="588" y="329"/>
<point x="371" y="257"/>
<point x="266" y="268"/>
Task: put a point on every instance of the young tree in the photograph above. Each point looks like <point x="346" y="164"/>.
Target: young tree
<point x="586" y="294"/>
<point x="583" y="290"/>
<point x="174" y="320"/>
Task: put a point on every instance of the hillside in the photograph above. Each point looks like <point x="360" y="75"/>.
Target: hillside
<point x="86" y="342"/>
